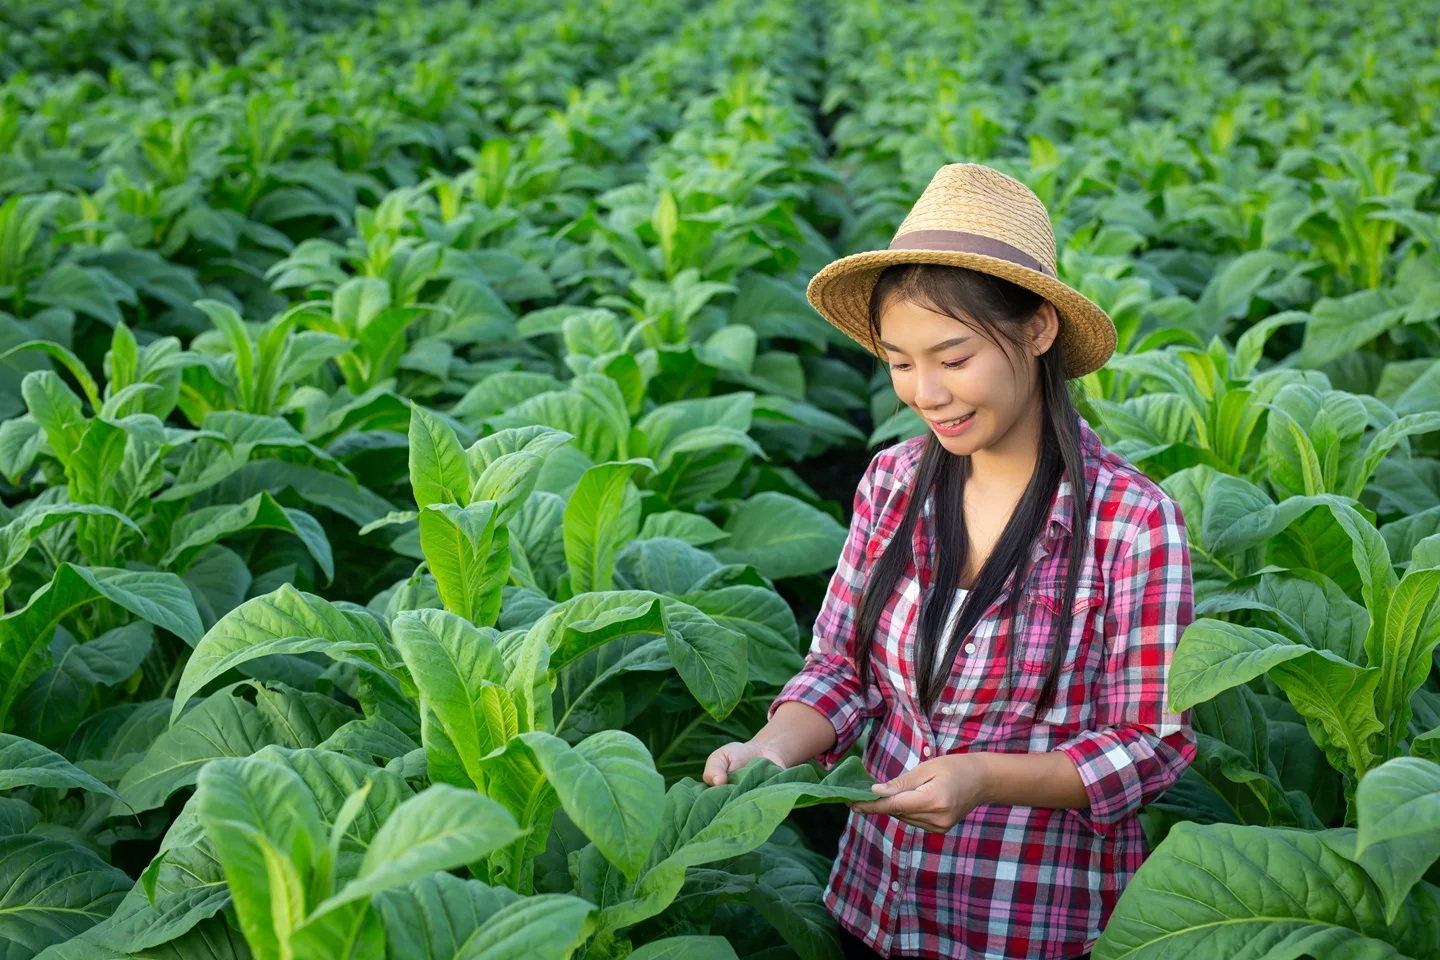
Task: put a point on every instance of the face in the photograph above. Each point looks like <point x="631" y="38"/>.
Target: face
<point x="947" y="370"/>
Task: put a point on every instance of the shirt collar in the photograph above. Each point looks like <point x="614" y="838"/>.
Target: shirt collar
<point x="1062" y="507"/>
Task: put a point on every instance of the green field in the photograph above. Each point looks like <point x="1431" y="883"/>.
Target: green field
<point x="418" y="454"/>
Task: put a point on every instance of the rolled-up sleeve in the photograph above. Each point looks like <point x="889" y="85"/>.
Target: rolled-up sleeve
<point x="829" y="681"/>
<point x="1138" y="748"/>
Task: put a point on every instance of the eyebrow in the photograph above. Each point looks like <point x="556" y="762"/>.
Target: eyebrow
<point x="942" y="345"/>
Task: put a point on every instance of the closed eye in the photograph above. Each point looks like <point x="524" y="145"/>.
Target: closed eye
<point x="949" y="365"/>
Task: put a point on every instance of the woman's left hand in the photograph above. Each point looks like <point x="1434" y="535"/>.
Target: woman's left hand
<point x="935" y="795"/>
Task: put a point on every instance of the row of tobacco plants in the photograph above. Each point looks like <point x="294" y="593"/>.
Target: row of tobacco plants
<point x="411" y="419"/>
<point x="400" y="490"/>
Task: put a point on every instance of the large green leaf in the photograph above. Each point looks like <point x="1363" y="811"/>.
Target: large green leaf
<point x="187" y="884"/>
<point x="1228" y="891"/>
<point x="51" y="891"/>
<point x="1306" y="606"/>
<point x="97" y="463"/>
<point x="223" y="725"/>
<point x="301" y="718"/>
<point x="1383" y="442"/>
<point x="596" y="436"/>
<point x="1324" y="533"/>
<point x="515" y="780"/>
<point x="20" y="441"/>
<point x="438" y="829"/>
<point x="1234" y="763"/>
<point x="1238" y="514"/>
<point x="469" y="556"/>
<point x="1342" y="324"/>
<point x="1338" y="541"/>
<point x="599" y="518"/>
<point x="690" y="528"/>
<point x="686" y="948"/>
<point x="595" y="692"/>
<point x="72" y="364"/>
<point x="791" y="897"/>
<point x="210" y="462"/>
<point x="782" y="537"/>
<point x="333" y="780"/>
<point x="1146" y="425"/>
<point x="284" y="621"/>
<point x="549" y="926"/>
<point x="25" y="763"/>
<point x="608" y="786"/>
<point x="1398" y="838"/>
<point x="706" y="824"/>
<point x="1251" y="346"/>
<point x="585" y="622"/>
<point x="507" y="464"/>
<point x="434" y="915"/>
<point x="710" y="658"/>
<point x="1335" y="696"/>
<point x="1404" y="650"/>
<point x="438" y="472"/>
<point x="460" y="676"/>
<point x="56" y="409"/>
<point x="342" y="494"/>
<point x="54" y="705"/>
<point x="17" y="535"/>
<point x="371" y="739"/>
<point x="85" y="289"/>
<point x="17" y="817"/>
<point x="109" y="741"/>
<point x="196" y="530"/>
<point x="1308" y="433"/>
<point x="159" y="598"/>
<point x="765" y="619"/>
<point x="663" y="564"/>
<point x="212" y="939"/>
<point x="501" y="391"/>
<point x="267" y="832"/>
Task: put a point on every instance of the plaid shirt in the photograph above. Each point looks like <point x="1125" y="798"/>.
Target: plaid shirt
<point x="1007" y="881"/>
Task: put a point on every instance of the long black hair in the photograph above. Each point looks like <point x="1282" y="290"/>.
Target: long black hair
<point x="999" y="309"/>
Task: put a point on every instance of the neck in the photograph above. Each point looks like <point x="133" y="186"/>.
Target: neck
<point x="1010" y="462"/>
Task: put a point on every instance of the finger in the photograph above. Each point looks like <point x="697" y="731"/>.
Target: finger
<point x="719" y="764"/>
<point x="909" y="802"/>
<point x="911" y="779"/>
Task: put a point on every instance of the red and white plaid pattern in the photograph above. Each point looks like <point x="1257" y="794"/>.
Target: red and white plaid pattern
<point x="1009" y="882"/>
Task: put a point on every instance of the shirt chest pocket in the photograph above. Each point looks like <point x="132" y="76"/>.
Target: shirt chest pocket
<point x="1038" y="626"/>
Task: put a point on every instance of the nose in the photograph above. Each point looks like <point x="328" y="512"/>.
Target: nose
<point x="930" y="390"/>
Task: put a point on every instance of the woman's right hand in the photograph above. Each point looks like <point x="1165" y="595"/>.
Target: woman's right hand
<point x="733" y="756"/>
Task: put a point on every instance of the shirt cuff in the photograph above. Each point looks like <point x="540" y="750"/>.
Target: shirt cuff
<point x="1113" y="765"/>
<point x="828" y="684"/>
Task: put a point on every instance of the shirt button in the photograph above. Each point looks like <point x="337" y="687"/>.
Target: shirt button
<point x="924" y="751"/>
<point x="895" y="885"/>
<point x="969" y="648"/>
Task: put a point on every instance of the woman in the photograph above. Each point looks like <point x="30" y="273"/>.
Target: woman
<point x="1004" y="611"/>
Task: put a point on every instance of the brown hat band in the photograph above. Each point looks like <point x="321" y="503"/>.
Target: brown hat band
<point x="959" y="241"/>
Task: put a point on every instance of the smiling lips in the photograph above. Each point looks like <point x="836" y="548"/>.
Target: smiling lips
<point x="950" y="428"/>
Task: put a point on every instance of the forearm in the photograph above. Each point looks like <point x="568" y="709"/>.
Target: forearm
<point x="1032" y="780"/>
<point x="796" y="733"/>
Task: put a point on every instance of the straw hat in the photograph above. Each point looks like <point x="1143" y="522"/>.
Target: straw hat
<point x="970" y="216"/>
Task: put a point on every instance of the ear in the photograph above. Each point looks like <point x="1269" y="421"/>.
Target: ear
<point x="1044" y="328"/>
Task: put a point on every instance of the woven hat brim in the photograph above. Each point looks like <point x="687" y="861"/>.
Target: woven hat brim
<point x="841" y="294"/>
